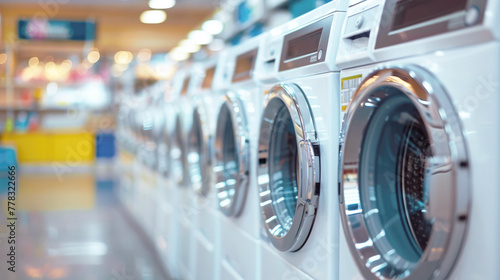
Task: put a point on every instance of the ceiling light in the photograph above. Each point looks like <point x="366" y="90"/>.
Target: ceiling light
<point x="153" y="17"/>
<point x="161" y="4"/>
<point x="200" y="37"/>
<point x="33" y="62"/>
<point x="93" y="56"/>
<point x="178" y="54"/>
<point x="213" y="26"/>
<point x="189" y="46"/>
<point x="144" y="55"/>
<point x="123" y="57"/>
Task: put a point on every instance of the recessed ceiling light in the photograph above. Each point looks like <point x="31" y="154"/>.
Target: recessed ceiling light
<point x="93" y="56"/>
<point x="178" y="54"/>
<point x="161" y="4"/>
<point x="144" y="55"/>
<point x="123" y="57"/>
<point x="153" y="17"/>
<point x="213" y="26"/>
<point x="200" y="37"/>
<point x="189" y="46"/>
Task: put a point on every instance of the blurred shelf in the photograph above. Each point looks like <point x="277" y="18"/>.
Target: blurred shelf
<point x="33" y="108"/>
<point x="53" y="109"/>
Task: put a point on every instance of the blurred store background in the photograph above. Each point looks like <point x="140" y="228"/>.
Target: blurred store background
<point x="66" y="66"/>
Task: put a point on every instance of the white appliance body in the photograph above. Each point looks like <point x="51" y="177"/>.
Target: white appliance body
<point x="200" y="161"/>
<point x="235" y="162"/>
<point x="446" y="81"/>
<point x="298" y="142"/>
<point x="184" y="213"/>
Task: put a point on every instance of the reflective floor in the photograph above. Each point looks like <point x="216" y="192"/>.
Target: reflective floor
<point x="73" y="228"/>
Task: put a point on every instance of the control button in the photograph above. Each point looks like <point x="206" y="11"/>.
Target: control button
<point x="320" y="54"/>
<point x="472" y="15"/>
<point x="359" y="21"/>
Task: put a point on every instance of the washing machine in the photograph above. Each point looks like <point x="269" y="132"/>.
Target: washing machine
<point x="152" y="180"/>
<point x="297" y="147"/>
<point x="144" y="178"/>
<point x="200" y="156"/>
<point x="235" y="159"/>
<point x="165" y="224"/>
<point x="126" y="147"/>
<point x="420" y="144"/>
<point x="355" y="50"/>
<point x="183" y="197"/>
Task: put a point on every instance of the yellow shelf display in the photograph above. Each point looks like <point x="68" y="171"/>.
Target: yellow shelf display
<point x="43" y="147"/>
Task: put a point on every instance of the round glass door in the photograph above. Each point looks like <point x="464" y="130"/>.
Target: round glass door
<point x="148" y="154"/>
<point x="289" y="166"/>
<point x="198" y="152"/>
<point x="157" y="136"/>
<point x="178" y="152"/>
<point x="404" y="184"/>
<point x="164" y="153"/>
<point x="231" y="166"/>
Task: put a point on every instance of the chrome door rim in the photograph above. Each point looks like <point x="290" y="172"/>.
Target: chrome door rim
<point x="232" y="110"/>
<point x="308" y="171"/>
<point x="199" y="161"/>
<point x="179" y="143"/>
<point x="156" y="136"/>
<point x="448" y="162"/>
<point x="164" y="145"/>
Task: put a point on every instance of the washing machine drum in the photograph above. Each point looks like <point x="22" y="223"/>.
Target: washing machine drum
<point x="199" y="153"/>
<point x="232" y="156"/>
<point x="404" y="177"/>
<point x="289" y="168"/>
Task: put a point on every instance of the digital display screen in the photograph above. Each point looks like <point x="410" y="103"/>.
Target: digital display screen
<point x="244" y="66"/>
<point x="209" y="77"/>
<point x="185" y="86"/>
<point x="411" y="12"/>
<point x="306" y="44"/>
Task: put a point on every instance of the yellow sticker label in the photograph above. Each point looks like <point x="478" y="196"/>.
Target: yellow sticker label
<point x="348" y="86"/>
<point x="349" y="82"/>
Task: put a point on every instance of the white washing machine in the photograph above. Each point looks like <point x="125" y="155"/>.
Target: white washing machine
<point x="298" y="142"/>
<point x="200" y="157"/>
<point x="235" y="160"/>
<point x="420" y="145"/>
<point x="126" y="148"/>
<point x="184" y="199"/>
<point x="355" y="49"/>
<point x="166" y="196"/>
<point x="144" y="178"/>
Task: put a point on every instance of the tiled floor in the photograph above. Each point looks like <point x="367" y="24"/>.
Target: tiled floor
<point x="73" y="229"/>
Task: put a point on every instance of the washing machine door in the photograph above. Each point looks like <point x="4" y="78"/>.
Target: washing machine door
<point x="149" y="157"/>
<point x="158" y="139"/>
<point x="289" y="167"/>
<point x="199" y="151"/>
<point x="231" y="156"/>
<point x="404" y="190"/>
<point x="164" y="146"/>
<point x="178" y="152"/>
